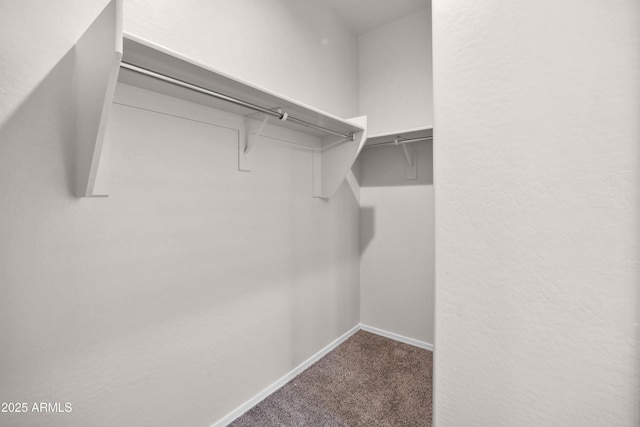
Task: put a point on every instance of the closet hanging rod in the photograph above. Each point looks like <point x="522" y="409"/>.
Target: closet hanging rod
<point x="279" y="114"/>
<point x="404" y="141"/>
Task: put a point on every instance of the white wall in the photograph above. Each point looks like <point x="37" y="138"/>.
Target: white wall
<point x="396" y="220"/>
<point x="396" y="242"/>
<point x="298" y="48"/>
<point x="287" y="46"/>
<point x="37" y="36"/>
<point x="396" y="75"/>
<point x="537" y="216"/>
<point x="193" y="286"/>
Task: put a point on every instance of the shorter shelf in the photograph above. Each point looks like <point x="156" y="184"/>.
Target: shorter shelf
<point x="403" y="139"/>
<point x="408" y="135"/>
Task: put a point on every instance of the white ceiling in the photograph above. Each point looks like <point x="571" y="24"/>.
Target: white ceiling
<point x="365" y="15"/>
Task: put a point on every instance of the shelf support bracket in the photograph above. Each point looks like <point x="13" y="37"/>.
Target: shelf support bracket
<point x="412" y="170"/>
<point x="98" y="53"/>
<point x="251" y="141"/>
<point x="246" y="144"/>
<point x="333" y="160"/>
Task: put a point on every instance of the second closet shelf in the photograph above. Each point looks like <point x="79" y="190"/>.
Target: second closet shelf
<point x="389" y="138"/>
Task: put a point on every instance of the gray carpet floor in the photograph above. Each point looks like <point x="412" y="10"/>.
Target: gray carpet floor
<point x="368" y="380"/>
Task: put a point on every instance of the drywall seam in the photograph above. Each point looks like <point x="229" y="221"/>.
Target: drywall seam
<point x="284" y="379"/>
<point x="397" y="337"/>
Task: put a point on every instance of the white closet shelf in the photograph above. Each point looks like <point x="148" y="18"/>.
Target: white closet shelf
<point x="409" y="135"/>
<point x="403" y="138"/>
<point x="150" y="56"/>
<point x="105" y="55"/>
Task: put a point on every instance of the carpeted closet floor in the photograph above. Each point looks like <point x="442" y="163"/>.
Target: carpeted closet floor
<point x="366" y="381"/>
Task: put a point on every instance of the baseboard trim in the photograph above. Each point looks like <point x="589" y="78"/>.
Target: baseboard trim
<point x="397" y="337"/>
<point x="229" y="418"/>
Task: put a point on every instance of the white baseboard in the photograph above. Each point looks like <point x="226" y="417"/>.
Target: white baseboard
<point x="229" y="418"/>
<point x="396" y="337"/>
<point x="285" y="379"/>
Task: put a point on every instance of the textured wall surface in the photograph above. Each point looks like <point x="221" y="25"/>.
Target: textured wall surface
<point x="193" y="286"/>
<point x="396" y="229"/>
<point x="537" y="109"/>
<point x="396" y="75"/>
<point x="396" y="242"/>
